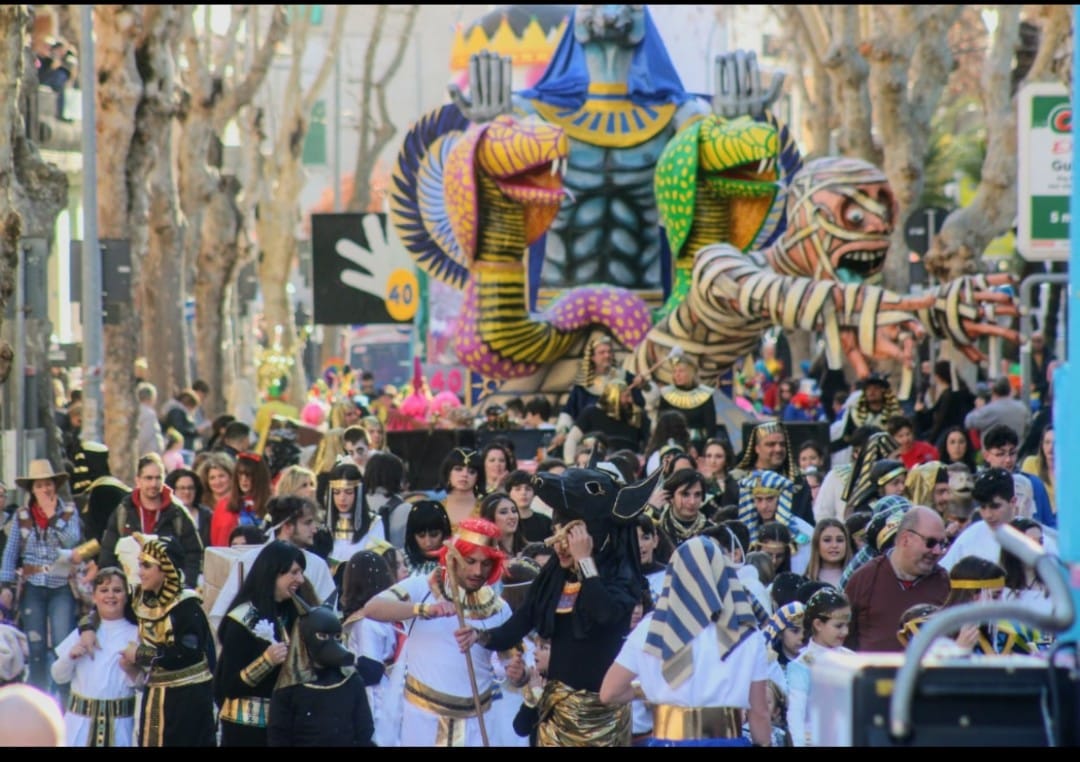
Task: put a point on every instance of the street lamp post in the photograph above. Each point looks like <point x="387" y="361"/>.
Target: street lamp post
<point x="93" y="355"/>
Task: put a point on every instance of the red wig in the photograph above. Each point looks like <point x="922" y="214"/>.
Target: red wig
<point x="475" y="534"/>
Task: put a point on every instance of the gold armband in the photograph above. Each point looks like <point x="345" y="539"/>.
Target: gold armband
<point x="420" y="610"/>
<point x="257" y="671"/>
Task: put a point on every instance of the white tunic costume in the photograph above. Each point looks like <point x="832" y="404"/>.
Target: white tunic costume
<point x="378" y="641"/>
<point x="436" y="675"/>
<point x="101" y="679"/>
<point x="712" y="683"/>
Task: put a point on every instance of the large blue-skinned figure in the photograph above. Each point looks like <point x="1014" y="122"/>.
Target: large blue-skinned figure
<point x="612" y="87"/>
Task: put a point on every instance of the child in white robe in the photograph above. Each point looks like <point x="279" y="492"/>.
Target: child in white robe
<point x="101" y="707"/>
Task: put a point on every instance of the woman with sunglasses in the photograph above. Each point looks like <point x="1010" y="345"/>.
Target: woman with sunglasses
<point x="188" y="489"/>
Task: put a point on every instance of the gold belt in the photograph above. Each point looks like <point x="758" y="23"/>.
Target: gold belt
<point x="443" y="704"/>
<point x="250" y="710"/>
<point x="681" y="723"/>
<point x="196" y="673"/>
<point x="88" y="707"/>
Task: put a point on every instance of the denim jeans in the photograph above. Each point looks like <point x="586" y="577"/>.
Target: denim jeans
<point x="48" y="616"/>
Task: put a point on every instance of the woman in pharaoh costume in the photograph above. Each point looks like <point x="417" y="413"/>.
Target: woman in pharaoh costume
<point x="695" y="401"/>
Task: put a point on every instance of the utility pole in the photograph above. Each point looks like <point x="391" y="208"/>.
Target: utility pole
<point x="93" y="354"/>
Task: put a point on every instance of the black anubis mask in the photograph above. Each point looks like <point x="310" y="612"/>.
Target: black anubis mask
<point x="320" y="630"/>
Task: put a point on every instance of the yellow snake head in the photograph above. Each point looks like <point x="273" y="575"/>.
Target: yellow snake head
<point x="527" y="160"/>
<point x="712" y="159"/>
<point x="841" y="214"/>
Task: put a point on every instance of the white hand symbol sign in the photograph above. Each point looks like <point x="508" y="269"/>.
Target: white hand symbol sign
<point x="378" y="260"/>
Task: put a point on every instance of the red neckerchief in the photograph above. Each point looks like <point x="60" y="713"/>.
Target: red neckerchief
<point x="38" y="514"/>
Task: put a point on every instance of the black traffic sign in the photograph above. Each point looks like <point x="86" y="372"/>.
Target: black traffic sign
<point x="922" y="225"/>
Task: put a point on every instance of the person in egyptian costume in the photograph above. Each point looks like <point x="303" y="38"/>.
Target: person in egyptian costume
<point x="698" y="658"/>
<point x="582" y="602"/>
<point x="768" y="486"/>
<point x="176" y="649"/>
<point x="695" y="401"/>
<point x="440" y="707"/>
<point x="594" y="375"/>
<point x="319" y="698"/>
<point x="757" y="455"/>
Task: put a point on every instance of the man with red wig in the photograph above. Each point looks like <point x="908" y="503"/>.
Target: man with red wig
<point x="439" y="707"/>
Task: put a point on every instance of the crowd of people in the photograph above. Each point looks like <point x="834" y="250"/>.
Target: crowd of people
<point x="651" y="586"/>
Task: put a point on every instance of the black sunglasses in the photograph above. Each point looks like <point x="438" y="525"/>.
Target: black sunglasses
<point x="931" y="542"/>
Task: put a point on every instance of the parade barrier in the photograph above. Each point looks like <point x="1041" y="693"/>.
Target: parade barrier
<point x="424" y="451"/>
<point x="218" y="563"/>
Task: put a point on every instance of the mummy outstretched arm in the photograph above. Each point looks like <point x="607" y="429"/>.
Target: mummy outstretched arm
<point x="858" y="321"/>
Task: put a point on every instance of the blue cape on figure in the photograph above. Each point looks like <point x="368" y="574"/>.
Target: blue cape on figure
<point x="653" y="80"/>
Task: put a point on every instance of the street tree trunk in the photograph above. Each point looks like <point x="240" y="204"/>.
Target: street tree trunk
<point x="215" y="274"/>
<point x="162" y="288"/>
<point x="910" y="60"/>
<point x="967" y="232"/>
<point x="132" y="117"/>
<point x="119" y="89"/>
<point x="208" y="197"/>
<point x="32" y="193"/>
<point x="375" y="129"/>
<point x="278" y="212"/>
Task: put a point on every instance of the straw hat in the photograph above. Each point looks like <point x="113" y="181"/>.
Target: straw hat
<point x="40" y="469"/>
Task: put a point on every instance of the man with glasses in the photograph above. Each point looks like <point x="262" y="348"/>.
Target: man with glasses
<point x="909" y="574"/>
<point x="151" y="508"/>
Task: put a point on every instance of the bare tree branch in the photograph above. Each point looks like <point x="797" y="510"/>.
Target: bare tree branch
<point x="850" y="71"/>
<point x="803" y="49"/>
<point x="930" y="60"/>
<point x="812" y="21"/>
<point x="226" y="55"/>
<point x="327" y="65"/>
<point x="1056" y="29"/>
<point x="374" y="139"/>
<point x="366" y="85"/>
<point x="242" y="94"/>
<point x="399" y="53"/>
<point x="967" y="232"/>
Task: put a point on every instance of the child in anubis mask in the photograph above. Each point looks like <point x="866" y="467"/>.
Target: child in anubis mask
<point x="319" y="699"/>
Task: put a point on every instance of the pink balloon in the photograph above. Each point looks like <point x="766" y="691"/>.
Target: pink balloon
<point x="313" y="414"/>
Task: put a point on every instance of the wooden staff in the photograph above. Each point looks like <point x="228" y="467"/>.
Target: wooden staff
<point x="676" y="352"/>
<point x="452" y="558"/>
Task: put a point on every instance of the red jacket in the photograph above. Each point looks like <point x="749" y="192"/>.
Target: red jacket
<point x="920" y="452"/>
